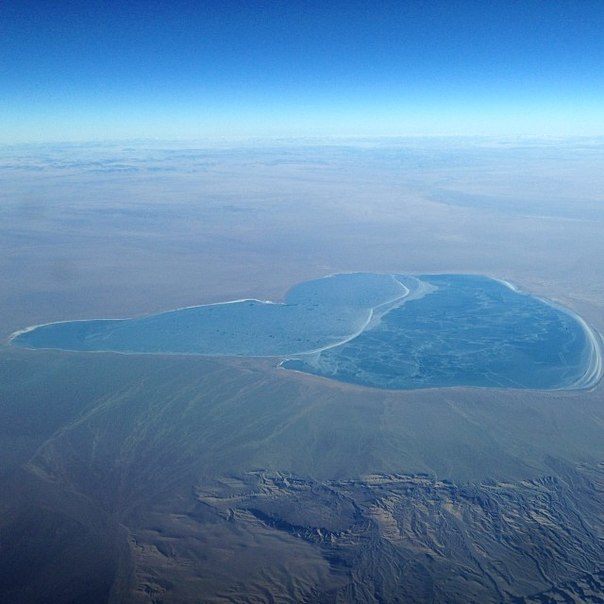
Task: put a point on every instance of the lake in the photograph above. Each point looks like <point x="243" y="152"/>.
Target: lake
<point x="376" y="330"/>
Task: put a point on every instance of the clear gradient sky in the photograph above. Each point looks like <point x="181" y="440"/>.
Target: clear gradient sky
<point x="94" y="69"/>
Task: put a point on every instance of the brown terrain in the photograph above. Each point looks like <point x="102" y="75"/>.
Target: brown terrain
<point x="142" y="478"/>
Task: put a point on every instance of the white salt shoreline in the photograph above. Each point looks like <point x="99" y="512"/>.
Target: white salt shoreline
<point x="592" y="375"/>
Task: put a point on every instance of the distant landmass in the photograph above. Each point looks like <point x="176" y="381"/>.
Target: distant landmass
<point x="379" y="330"/>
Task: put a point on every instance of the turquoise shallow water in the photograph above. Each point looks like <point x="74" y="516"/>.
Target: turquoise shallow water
<point x="384" y="331"/>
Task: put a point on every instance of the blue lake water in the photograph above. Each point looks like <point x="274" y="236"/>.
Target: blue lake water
<point x="384" y="331"/>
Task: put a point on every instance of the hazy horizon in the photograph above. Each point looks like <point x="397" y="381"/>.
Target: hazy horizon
<point x="254" y="69"/>
<point x="439" y="440"/>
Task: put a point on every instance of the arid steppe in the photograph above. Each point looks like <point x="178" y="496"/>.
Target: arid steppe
<point x="167" y="478"/>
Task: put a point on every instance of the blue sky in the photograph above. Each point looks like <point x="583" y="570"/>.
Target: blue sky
<point x="93" y="69"/>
